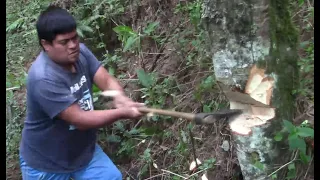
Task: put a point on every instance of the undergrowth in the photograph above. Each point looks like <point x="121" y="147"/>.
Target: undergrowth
<point x="163" y="64"/>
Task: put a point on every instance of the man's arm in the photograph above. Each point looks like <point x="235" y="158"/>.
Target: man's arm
<point x="105" y="81"/>
<point x="98" y="73"/>
<point x="95" y="119"/>
<point x="57" y="101"/>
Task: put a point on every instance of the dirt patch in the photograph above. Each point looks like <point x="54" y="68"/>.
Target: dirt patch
<point x="226" y="165"/>
<point x="12" y="169"/>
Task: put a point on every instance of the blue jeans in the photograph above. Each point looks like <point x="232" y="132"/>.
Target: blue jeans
<point x="100" y="168"/>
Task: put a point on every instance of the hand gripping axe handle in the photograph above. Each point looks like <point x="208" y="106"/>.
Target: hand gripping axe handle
<point x="198" y="118"/>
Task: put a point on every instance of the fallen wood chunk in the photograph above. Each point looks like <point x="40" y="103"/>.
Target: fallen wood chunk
<point x="193" y="164"/>
<point x="204" y="177"/>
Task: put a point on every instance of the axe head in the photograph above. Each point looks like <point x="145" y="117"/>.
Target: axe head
<point x="210" y="118"/>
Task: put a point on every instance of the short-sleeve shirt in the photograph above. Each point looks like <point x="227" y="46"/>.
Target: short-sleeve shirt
<point x="48" y="143"/>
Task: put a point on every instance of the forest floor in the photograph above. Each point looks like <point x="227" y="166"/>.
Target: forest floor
<point x="161" y="59"/>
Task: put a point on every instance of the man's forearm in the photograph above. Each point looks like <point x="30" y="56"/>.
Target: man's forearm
<point x="105" y="81"/>
<point x="98" y="118"/>
<point x="113" y="84"/>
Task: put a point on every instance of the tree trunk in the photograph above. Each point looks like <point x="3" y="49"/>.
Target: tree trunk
<point x="253" y="45"/>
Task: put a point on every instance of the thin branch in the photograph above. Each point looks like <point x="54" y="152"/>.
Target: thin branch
<point x="294" y="159"/>
<point x="151" y="53"/>
<point x="12" y="88"/>
<point x="156" y="176"/>
<point x="308" y="168"/>
<point x="173" y="173"/>
<point x="130" y="175"/>
<point x="197" y="172"/>
<point x="193" y="148"/>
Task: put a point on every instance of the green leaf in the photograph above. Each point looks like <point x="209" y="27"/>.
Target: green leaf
<point x="79" y="31"/>
<point x="95" y="89"/>
<point x="85" y="28"/>
<point x="305" y="132"/>
<point x="124" y="30"/>
<point x="190" y="126"/>
<point x="144" y="169"/>
<point x="119" y="126"/>
<point x="151" y="130"/>
<point x="15" y="25"/>
<point x="206" y="109"/>
<point x="259" y="165"/>
<point x="289" y="126"/>
<point x="292" y="171"/>
<point x="297" y="143"/>
<point x="301" y="2"/>
<point x="208" y="82"/>
<point x="293" y="136"/>
<point x="151" y="27"/>
<point x="111" y="71"/>
<point x="130" y="41"/>
<point x="93" y="18"/>
<point x="145" y="79"/>
<point x="291" y="166"/>
<point x="134" y="131"/>
<point x="146" y="155"/>
<point x="208" y="163"/>
<point x="278" y="137"/>
<point x="304" y="44"/>
<point x="274" y="176"/>
<point x="184" y="137"/>
<point x="304" y="158"/>
<point x="114" y="138"/>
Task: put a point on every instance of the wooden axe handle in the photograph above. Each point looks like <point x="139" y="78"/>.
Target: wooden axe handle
<point x="188" y="116"/>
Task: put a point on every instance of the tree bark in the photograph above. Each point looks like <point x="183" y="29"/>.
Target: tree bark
<point x="253" y="44"/>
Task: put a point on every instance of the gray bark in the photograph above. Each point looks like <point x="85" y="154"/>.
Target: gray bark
<point x="243" y="33"/>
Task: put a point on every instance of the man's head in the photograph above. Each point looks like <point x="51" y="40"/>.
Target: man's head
<point x="58" y="36"/>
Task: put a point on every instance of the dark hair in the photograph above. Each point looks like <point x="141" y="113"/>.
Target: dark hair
<point x="53" y="21"/>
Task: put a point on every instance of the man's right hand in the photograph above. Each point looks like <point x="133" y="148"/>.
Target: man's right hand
<point x="84" y="120"/>
<point x="132" y="112"/>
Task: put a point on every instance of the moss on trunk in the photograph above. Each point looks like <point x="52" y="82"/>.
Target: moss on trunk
<point x="283" y="57"/>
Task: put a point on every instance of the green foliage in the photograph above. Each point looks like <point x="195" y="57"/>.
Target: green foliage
<point x="194" y="10"/>
<point x="296" y="139"/>
<point x="259" y="165"/>
<point x="132" y="40"/>
<point x="255" y="161"/>
<point x="147" y="80"/>
<point x="291" y="171"/>
<point x="206" y="85"/>
<point x="155" y="93"/>
<point x="306" y="48"/>
<point x="306" y="65"/>
<point x="208" y="164"/>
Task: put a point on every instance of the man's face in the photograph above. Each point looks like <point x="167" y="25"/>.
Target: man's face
<point x="64" y="49"/>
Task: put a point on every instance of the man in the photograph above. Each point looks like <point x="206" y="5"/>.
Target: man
<point x="59" y="134"/>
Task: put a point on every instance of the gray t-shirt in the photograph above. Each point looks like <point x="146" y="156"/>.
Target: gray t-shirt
<point x="49" y="143"/>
